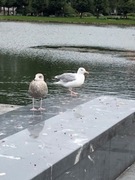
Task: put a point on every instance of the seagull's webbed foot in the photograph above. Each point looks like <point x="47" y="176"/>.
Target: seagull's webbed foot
<point x="33" y="106"/>
<point x="33" y="109"/>
<point x="41" y="109"/>
<point x="73" y="93"/>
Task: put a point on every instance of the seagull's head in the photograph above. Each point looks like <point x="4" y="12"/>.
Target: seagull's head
<point x="81" y="70"/>
<point x="39" y="77"/>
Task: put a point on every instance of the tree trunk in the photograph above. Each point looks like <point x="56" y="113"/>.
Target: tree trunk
<point x="81" y="14"/>
<point x="8" y="11"/>
<point x="4" y="12"/>
<point x="13" y="11"/>
<point x="97" y="15"/>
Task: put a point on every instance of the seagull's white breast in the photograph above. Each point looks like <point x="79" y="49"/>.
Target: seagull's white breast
<point x="79" y="80"/>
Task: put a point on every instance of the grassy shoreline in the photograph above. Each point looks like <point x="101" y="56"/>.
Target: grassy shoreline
<point x="71" y="20"/>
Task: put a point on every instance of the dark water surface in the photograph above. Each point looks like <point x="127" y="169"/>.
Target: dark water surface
<point x="114" y="76"/>
<point x="110" y="74"/>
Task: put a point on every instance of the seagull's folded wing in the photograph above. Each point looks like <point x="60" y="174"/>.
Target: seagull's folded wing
<point x="66" y="77"/>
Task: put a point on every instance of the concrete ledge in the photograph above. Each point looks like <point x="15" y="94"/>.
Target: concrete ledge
<point x="4" y="108"/>
<point x="95" y="140"/>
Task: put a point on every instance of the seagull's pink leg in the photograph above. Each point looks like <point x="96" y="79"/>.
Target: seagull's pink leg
<point x="41" y="109"/>
<point x="33" y="108"/>
<point x="72" y="92"/>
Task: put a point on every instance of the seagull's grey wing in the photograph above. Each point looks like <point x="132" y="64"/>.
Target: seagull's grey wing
<point x="66" y="77"/>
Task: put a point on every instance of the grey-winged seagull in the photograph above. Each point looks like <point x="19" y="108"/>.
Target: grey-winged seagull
<point x="72" y="80"/>
<point x="38" y="89"/>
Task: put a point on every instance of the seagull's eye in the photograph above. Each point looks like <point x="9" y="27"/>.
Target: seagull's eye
<point x="40" y="77"/>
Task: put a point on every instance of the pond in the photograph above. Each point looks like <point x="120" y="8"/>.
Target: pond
<point x="25" y="49"/>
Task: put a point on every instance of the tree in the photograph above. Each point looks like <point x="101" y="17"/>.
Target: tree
<point x="106" y="8"/>
<point x="8" y="4"/>
<point x="113" y="4"/>
<point x="69" y="10"/>
<point x="98" y="7"/>
<point x="123" y="8"/>
<point x="1" y="5"/>
<point x="131" y="5"/>
<point x="56" y="7"/>
<point x="21" y="6"/>
<point x="81" y="6"/>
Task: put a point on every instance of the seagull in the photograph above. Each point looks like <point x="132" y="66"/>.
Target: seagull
<point x="38" y="89"/>
<point x="72" y="80"/>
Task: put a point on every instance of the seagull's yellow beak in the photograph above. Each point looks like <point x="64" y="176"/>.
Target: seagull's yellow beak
<point x="86" y="72"/>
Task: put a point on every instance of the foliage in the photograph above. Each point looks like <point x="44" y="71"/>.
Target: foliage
<point x="71" y="7"/>
<point x="69" y="11"/>
<point x="81" y="6"/>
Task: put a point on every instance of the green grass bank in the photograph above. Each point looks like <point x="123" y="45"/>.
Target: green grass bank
<point x="73" y="20"/>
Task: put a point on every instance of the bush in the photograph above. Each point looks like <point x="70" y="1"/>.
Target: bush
<point x="69" y="11"/>
<point x="87" y="14"/>
<point x="131" y="14"/>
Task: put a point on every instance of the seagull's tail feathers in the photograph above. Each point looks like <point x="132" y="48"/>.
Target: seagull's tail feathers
<point x="57" y="77"/>
<point x="58" y="83"/>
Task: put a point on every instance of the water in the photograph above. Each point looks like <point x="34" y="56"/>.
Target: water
<point x="110" y="74"/>
<point x="20" y="36"/>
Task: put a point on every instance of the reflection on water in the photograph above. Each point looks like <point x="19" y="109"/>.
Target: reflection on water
<point x="108" y="75"/>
